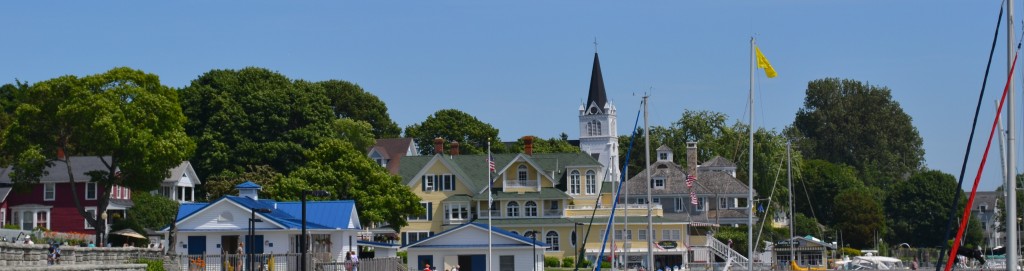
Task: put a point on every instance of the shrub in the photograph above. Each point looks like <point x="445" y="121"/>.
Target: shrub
<point x="152" y="265"/>
<point x="851" y="251"/>
<point x="567" y="261"/>
<point x="12" y="227"/>
<point x="551" y="261"/>
<point x="405" y="256"/>
<point x="605" y="264"/>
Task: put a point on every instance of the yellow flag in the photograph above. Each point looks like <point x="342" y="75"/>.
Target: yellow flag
<point x="762" y="62"/>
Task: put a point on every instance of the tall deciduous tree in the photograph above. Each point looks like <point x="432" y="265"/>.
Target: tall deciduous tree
<point x="818" y="184"/>
<point x="859" y="216"/>
<point x="454" y="125"/>
<point x="551" y="145"/>
<point x="918" y="209"/>
<point x="152" y="211"/>
<point x="336" y="166"/>
<point x="253" y="116"/>
<point x="123" y="116"/>
<point x="849" y="122"/>
<point x="351" y="101"/>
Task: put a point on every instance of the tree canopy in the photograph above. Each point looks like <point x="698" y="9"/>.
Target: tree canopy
<point x="853" y="123"/>
<point x="818" y="184"/>
<point x="918" y="209"/>
<point x="350" y="101"/>
<point x="123" y="116"/>
<point x="253" y="116"/>
<point x="454" y="125"/>
<point x="859" y="216"/>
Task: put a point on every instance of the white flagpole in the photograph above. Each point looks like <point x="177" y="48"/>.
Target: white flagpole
<point x="750" y="166"/>
<point x="490" y="202"/>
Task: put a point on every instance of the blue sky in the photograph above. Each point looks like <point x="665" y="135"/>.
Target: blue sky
<point x="524" y="66"/>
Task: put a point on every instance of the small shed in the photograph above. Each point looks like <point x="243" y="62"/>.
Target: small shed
<point x="809" y="251"/>
<point x="380" y="250"/>
<point x="467" y="246"/>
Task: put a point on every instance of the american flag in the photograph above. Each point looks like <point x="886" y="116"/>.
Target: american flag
<point x="693" y="198"/>
<point x="490" y="162"/>
<point x="690" y="179"/>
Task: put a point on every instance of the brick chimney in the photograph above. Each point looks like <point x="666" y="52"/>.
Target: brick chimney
<point x="691" y="158"/>
<point x="60" y="153"/>
<point x="439" y="145"/>
<point x="455" y="148"/>
<point x="528" y="145"/>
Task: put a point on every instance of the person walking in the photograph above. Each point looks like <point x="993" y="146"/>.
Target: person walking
<point x="355" y="260"/>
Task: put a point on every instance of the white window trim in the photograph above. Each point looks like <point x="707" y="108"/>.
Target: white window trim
<point x="87" y="209"/>
<point x="95" y="190"/>
<point x="660" y="186"/>
<point x="53" y="188"/>
<point x="590" y="184"/>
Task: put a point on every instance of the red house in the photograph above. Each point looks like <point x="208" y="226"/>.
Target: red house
<point x="49" y="204"/>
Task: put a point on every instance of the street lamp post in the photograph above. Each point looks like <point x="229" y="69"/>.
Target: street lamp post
<point x="303" y="239"/>
<point x="533" y="235"/>
<point x="252" y="234"/>
<point x="575" y="245"/>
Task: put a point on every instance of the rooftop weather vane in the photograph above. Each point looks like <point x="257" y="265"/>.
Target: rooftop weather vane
<point x="595" y="45"/>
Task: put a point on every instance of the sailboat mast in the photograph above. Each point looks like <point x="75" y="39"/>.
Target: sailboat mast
<point x="789" y="179"/>
<point x="647" y="168"/>
<point x="750" y="165"/>
<point x="1011" y="161"/>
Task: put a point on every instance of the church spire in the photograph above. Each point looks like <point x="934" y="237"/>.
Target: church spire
<point x="597" y="95"/>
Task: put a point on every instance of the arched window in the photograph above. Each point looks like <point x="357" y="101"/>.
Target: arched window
<point x="522" y="172"/>
<point x="512" y="210"/>
<point x="552" y="239"/>
<point x="574" y="182"/>
<point x="594" y="128"/>
<point x="530" y="209"/>
<point x="591" y="182"/>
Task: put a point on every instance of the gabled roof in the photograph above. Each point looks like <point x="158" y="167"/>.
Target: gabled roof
<point x="58" y="173"/>
<point x="80" y="165"/>
<point x="393" y="149"/>
<point x="473" y="168"/>
<point x="319" y="214"/>
<point x="496" y="230"/>
<point x="664" y="148"/>
<point x="182" y="169"/>
<point x="708" y="182"/>
<point x="718" y="162"/>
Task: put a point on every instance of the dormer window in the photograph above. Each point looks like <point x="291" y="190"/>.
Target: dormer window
<point x="521" y="170"/>
<point x="662" y="156"/>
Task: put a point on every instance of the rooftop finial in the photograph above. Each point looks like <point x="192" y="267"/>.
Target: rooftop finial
<point x="595" y="44"/>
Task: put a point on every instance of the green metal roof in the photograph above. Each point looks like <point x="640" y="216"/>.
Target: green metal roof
<point x="545" y="193"/>
<point x="474" y="167"/>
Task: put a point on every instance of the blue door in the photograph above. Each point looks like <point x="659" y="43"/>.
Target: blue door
<point x="196" y="245"/>
<point x="423" y="260"/>
<point x="476" y="262"/>
<point x="255" y="246"/>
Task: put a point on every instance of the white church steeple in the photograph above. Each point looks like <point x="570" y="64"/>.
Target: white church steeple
<point x="598" y="127"/>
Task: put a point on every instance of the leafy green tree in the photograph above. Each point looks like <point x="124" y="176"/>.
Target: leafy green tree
<point x="253" y="116"/>
<point x="1001" y="203"/>
<point x="152" y="211"/>
<point x="123" y="116"/>
<point x="804" y="225"/>
<point x="263" y="175"/>
<point x="859" y="216"/>
<point x="351" y="101"/>
<point x="849" y="122"/>
<point x="636" y="156"/>
<point x="818" y="184"/>
<point x="917" y="209"/>
<point x="454" y="125"/>
<point x="347" y="173"/>
<point x="357" y="132"/>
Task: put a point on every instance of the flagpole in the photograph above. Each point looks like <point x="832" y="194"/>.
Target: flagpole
<point x="490" y="202"/>
<point x="750" y="165"/>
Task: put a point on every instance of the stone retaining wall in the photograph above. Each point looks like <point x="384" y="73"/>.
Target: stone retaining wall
<point x="25" y="255"/>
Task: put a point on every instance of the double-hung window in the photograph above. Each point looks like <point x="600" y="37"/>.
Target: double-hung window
<point x="49" y="191"/>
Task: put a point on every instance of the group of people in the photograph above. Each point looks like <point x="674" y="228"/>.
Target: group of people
<point x="456" y="268"/>
<point x="351" y="261"/>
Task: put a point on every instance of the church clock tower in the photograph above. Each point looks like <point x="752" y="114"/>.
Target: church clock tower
<point x="598" y="127"/>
